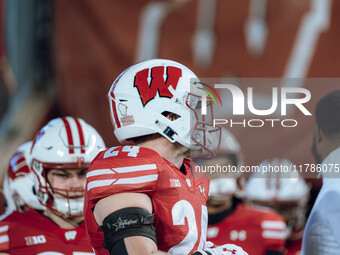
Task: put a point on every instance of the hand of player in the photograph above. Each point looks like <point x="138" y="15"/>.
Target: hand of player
<point x="226" y="249"/>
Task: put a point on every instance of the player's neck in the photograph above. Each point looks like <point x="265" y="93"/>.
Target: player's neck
<point x="173" y="152"/>
<point x="63" y="222"/>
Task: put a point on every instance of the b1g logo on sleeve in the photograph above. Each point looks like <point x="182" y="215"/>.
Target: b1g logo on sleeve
<point x="33" y="240"/>
<point x="148" y="90"/>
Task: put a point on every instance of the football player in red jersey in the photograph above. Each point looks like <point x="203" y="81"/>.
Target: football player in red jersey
<point x="59" y="158"/>
<point x="259" y="230"/>
<point x="145" y="198"/>
<point x="285" y="192"/>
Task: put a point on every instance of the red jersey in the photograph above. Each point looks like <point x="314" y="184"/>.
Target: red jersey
<point x="254" y="229"/>
<point x="32" y="233"/>
<point x="294" y="247"/>
<point x="179" y="199"/>
<point x="294" y="244"/>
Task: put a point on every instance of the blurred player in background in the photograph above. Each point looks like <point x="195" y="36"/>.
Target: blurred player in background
<point x="145" y="198"/>
<point x="285" y="192"/>
<point x="19" y="182"/>
<point x="259" y="231"/>
<point x="322" y="234"/>
<point x="59" y="158"/>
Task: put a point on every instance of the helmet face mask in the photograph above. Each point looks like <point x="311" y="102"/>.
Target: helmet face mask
<point x="59" y="200"/>
<point x="143" y="95"/>
<point x="204" y="136"/>
<point x="66" y="146"/>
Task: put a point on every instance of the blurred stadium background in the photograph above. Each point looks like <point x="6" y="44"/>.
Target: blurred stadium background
<point x="59" y="57"/>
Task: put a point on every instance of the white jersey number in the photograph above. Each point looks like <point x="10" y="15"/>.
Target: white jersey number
<point x="183" y="210"/>
<point x="132" y="151"/>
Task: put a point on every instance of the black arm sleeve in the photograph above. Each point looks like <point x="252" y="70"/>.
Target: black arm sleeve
<point x="132" y="221"/>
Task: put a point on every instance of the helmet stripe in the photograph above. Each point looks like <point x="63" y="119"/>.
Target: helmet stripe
<point x="114" y="109"/>
<point x="81" y="135"/>
<point x="69" y="135"/>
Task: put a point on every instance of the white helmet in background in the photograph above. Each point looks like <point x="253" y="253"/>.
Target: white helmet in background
<point x="143" y="96"/>
<point x="224" y="184"/>
<point x="285" y="191"/>
<point x="64" y="143"/>
<point x="19" y="181"/>
<point x="230" y="147"/>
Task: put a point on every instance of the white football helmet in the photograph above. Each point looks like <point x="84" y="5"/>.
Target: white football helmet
<point x="224" y="184"/>
<point x="230" y="147"/>
<point x="284" y="191"/>
<point x="64" y="143"/>
<point x="144" y="95"/>
<point x="19" y="181"/>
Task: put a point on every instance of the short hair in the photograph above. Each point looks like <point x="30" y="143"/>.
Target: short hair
<point x="327" y="114"/>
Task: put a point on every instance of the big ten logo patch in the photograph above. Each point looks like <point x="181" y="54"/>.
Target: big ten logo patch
<point x="175" y="183"/>
<point x="33" y="240"/>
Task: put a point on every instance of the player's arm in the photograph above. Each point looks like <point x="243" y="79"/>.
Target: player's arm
<point x="1" y="253"/>
<point x="115" y="212"/>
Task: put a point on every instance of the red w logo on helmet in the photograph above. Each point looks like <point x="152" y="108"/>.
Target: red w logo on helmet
<point x="148" y="91"/>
